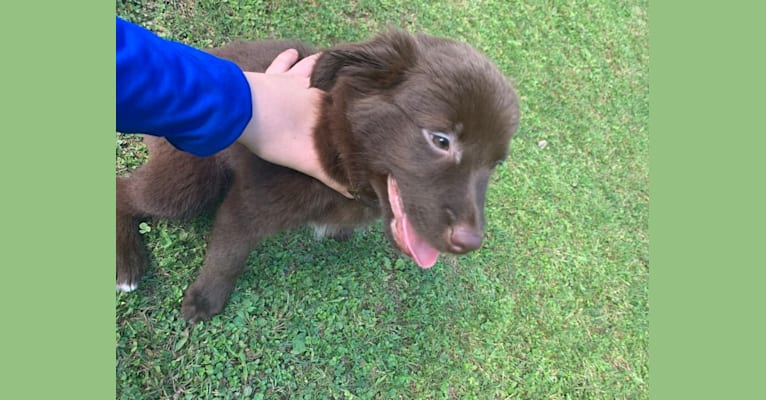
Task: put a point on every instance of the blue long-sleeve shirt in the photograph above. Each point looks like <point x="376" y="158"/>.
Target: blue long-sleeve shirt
<point x="199" y="102"/>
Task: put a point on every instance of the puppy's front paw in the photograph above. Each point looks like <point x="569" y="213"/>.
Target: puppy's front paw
<point x="195" y="307"/>
<point x="202" y="301"/>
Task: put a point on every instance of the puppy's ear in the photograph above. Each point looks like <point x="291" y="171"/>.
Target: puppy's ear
<point x="376" y="64"/>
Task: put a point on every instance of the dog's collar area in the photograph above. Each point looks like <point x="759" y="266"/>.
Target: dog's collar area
<point x="364" y="198"/>
<point x="359" y="189"/>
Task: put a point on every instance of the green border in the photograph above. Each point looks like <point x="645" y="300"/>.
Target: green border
<point x="58" y="200"/>
<point x="706" y="302"/>
<point x="57" y="171"/>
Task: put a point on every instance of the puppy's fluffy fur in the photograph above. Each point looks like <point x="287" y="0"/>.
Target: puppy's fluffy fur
<point x="414" y="125"/>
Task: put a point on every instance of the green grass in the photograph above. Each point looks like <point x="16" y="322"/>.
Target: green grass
<point x="555" y="304"/>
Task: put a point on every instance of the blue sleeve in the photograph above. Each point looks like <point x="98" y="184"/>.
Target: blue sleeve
<point x="199" y="102"/>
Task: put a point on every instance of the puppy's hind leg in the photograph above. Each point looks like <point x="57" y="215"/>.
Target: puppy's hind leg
<point x="132" y="257"/>
<point x="171" y="185"/>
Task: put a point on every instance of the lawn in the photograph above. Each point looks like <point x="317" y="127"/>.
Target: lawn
<point x="553" y="306"/>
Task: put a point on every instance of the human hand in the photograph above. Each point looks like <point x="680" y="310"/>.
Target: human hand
<point x="285" y="111"/>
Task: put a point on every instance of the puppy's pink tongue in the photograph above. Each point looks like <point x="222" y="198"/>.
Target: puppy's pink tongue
<point x="404" y="234"/>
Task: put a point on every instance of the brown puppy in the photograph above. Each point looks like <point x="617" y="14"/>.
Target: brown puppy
<point x="414" y="124"/>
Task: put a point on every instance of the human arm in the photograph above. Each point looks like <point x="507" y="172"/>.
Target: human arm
<point x="202" y="104"/>
<point x="198" y="102"/>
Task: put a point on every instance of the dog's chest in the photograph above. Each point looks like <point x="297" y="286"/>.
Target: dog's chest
<point x="350" y="213"/>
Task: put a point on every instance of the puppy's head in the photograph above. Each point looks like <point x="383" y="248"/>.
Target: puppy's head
<point x="421" y="122"/>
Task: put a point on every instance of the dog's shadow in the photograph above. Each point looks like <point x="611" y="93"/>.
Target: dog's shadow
<point x="293" y="266"/>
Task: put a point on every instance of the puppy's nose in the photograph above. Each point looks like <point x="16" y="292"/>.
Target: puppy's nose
<point x="463" y="239"/>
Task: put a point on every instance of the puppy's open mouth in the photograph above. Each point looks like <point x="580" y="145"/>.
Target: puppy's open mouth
<point x="405" y="235"/>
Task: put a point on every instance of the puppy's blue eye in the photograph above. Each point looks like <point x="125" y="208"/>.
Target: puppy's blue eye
<point x="440" y="140"/>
